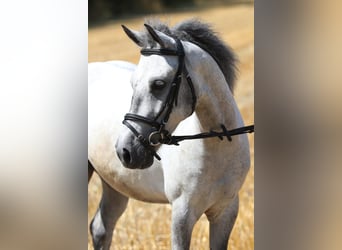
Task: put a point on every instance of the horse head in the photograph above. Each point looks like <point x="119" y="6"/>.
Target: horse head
<point x="163" y="96"/>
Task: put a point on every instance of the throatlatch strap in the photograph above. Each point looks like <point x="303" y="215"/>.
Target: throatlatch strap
<point x="192" y="89"/>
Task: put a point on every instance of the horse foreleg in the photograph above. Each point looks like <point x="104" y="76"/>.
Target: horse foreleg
<point x="111" y="207"/>
<point x="221" y="224"/>
<point x="183" y="221"/>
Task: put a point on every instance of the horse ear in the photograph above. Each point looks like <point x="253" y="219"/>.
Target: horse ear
<point x="133" y="35"/>
<point x="164" y="40"/>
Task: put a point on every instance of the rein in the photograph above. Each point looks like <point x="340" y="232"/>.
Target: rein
<point x="173" y="140"/>
<point x="161" y="135"/>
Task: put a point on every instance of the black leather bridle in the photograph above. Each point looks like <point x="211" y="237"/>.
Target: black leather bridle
<point x="160" y="135"/>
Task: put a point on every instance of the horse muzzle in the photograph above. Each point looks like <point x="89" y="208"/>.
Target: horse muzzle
<point x="133" y="154"/>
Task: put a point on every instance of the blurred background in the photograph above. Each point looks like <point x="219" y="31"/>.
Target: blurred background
<point x="101" y="10"/>
<point x="145" y="225"/>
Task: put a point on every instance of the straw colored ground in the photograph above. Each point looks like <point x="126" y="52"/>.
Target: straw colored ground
<point x="147" y="226"/>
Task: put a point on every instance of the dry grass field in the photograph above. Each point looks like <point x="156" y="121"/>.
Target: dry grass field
<point x="147" y="226"/>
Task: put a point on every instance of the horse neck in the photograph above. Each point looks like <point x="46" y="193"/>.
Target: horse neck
<point x="215" y="102"/>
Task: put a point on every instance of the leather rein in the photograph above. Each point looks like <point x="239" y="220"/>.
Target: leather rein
<point x="160" y="135"/>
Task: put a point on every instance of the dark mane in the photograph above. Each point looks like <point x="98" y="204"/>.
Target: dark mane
<point x="203" y="36"/>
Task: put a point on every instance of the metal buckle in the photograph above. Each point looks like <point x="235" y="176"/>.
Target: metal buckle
<point x="154" y="138"/>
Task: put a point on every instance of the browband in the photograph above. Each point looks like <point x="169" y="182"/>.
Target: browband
<point x="164" y="52"/>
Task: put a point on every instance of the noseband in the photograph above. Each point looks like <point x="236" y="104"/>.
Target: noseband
<point x="160" y="135"/>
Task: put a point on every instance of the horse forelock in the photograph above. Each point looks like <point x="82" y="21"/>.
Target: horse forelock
<point x="201" y="34"/>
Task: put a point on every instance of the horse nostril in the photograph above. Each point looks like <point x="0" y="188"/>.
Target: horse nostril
<point x="126" y="156"/>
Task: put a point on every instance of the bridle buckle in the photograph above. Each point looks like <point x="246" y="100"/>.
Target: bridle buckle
<point x="155" y="138"/>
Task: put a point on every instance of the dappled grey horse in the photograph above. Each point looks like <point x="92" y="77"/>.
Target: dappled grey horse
<point x="175" y="144"/>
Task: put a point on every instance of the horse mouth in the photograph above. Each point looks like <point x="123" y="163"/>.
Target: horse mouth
<point x="138" y="166"/>
<point x="146" y="166"/>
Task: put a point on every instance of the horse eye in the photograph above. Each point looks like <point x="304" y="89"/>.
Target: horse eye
<point x="158" y="85"/>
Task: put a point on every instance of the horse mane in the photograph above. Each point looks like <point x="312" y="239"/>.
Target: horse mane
<point x="201" y="34"/>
